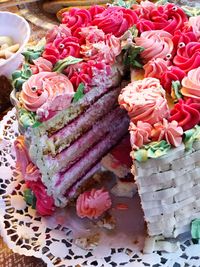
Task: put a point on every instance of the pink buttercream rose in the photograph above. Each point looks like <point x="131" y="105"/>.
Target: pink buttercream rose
<point x="194" y="22"/>
<point x="103" y="51"/>
<point x="115" y="20"/>
<point x="48" y="91"/>
<point x="44" y="202"/>
<point x="188" y="56"/>
<point x="145" y="101"/>
<point x="29" y="171"/>
<point x="92" y="204"/>
<point x="169" y="131"/>
<point x="140" y="134"/>
<point x="191" y="84"/>
<point x="61" y="31"/>
<point x="155" y="68"/>
<point x="41" y="64"/>
<point x="156" y="44"/>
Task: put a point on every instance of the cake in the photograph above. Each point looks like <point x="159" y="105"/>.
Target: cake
<point x="67" y="93"/>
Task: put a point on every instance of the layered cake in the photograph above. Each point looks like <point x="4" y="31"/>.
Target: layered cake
<point x="66" y="99"/>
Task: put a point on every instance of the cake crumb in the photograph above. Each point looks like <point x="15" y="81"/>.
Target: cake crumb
<point x="124" y="189"/>
<point x="107" y="222"/>
<point x="122" y="206"/>
<point x="89" y="242"/>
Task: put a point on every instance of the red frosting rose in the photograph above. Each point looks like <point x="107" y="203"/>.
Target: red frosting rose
<point x="115" y="20"/>
<point x="172" y="74"/>
<point x="186" y="113"/>
<point x="94" y="10"/>
<point x="188" y="56"/>
<point x="44" y="203"/>
<point x="181" y="38"/>
<point x="61" y="48"/>
<point x="77" y="18"/>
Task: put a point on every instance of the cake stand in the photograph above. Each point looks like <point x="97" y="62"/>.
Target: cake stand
<point x="54" y="238"/>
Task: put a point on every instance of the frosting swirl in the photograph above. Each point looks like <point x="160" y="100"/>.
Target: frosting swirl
<point x="76" y="18"/>
<point x="92" y="204"/>
<point x="62" y="48"/>
<point x="181" y="38"/>
<point x="169" y="131"/>
<point x="173" y="73"/>
<point x="41" y="64"/>
<point x="194" y="22"/>
<point x="145" y="101"/>
<point x="61" y="31"/>
<point x="44" y="203"/>
<point x="47" y="90"/>
<point x="115" y="20"/>
<point x="155" y="68"/>
<point x="188" y="56"/>
<point x="140" y="134"/>
<point x="191" y="84"/>
<point x="103" y="51"/>
<point x="156" y="44"/>
<point x="186" y="113"/>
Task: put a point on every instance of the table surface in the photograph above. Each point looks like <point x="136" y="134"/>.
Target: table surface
<point x="7" y="257"/>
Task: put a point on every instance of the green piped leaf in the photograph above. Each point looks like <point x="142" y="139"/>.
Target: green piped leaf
<point x="79" y="93"/>
<point x="126" y="4"/>
<point x="28" y="118"/>
<point x="132" y="58"/>
<point x="191" y="11"/>
<point x="176" y="93"/>
<point x="30" y="198"/>
<point x="191" y="136"/>
<point x="34" y="52"/>
<point x="195" y="229"/>
<point x="21" y="76"/>
<point x="161" y="2"/>
<point x="62" y="64"/>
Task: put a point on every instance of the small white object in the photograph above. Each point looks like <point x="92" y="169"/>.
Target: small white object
<point x="124" y="189"/>
<point x="18" y="29"/>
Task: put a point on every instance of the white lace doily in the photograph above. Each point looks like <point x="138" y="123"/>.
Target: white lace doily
<point x="52" y="238"/>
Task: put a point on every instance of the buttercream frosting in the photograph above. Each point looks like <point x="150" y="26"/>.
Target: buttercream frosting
<point x="191" y="84"/>
<point x="92" y="204"/>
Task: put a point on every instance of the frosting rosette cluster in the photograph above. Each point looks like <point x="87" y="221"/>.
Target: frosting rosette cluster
<point x="145" y="101"/>
<point x="49" y="91"/>
<point x="92" y="204"/>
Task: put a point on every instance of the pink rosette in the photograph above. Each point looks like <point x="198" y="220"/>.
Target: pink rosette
<point x="95" y="10"/>
<point x="191" y="84"/>
<point x="76" y="18"/>
<point x="44" y="203"/>
<point x="167" y="17"/>
<point x="61" y="31"/>
<point x="155" y="68"/>
<point x="145" y="101"/>
<point x="173" y="73"/>
<point x="194" y="22"/>
<point x="156" y="44"/>
<point x="92" y="34"/>
<point x="115" y="20"/>
<point x="92" y="204"/>
<point x="49" y="91"/>
<point x="62" y="48"/>
<point x="169" y="131"/>
<point x="188" y="56"/>
<point x="186" y="113"/>
<point x="104" y="51"/>
<point x="89" y="73"/>
<point x="29" y="171"/>
<point x="41" y="64"/>
<point x="140" y="134"/>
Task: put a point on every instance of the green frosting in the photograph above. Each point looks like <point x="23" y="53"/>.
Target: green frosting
<point x="195" y="229"/>
<point x="62" y="64"/>
<point x="152" y="150"/>
<point x="27" y="118"/>
<point x="176" y="94"/>
<point x="191" y="136"/>
<point x="34" y="52"/>
<point x="191" y="11"/>
<point x="126" y="4"/>
<point x="30" y="198"/>
<point x="131" y="57"/>
<point x="21" y="76"/>
<point x="79" y="93"/>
